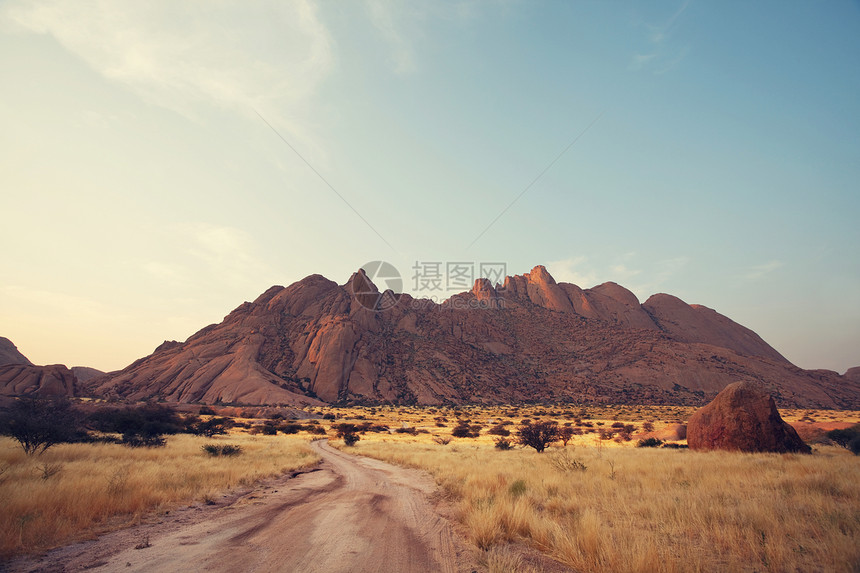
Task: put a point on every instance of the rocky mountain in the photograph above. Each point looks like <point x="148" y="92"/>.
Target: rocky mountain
<point x="19" y="376"/>
<point x="21" y="379"/>
<point x="529" y="339"/>
<point x="9" y="353"/>
<point x="84" y="373"/>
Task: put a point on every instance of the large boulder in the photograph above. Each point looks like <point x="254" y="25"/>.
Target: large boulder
<point x="743" y="418"/>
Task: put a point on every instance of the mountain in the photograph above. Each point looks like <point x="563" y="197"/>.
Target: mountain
<point x="21" y="379"/>
<point x="84" y="373"/>
<point x="529" y="339"/>
<point x="9" y="353"/>
<point x="19" y="376"/>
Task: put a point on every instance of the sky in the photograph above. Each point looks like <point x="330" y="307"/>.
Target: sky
<point x="162" y="162"/>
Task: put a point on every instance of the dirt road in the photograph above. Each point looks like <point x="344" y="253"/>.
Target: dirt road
<point x="351" y="515"/>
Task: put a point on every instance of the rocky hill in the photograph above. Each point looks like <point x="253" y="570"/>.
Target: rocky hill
<point x="529" y="339"/>
<point x="19" y="376"/>
<point x="9" y="353"/>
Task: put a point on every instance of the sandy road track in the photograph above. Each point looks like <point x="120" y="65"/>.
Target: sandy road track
<point x="352" y="514"/>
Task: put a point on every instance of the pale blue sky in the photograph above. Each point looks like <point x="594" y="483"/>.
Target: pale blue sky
<point x="143" y="197"/>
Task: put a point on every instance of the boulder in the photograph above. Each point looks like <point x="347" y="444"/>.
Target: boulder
<point x="744" y="418"/>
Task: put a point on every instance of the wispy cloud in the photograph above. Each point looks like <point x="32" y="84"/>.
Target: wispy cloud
<point x="659" y="34"/>
<point x="385" y="18"/>
<point x="227" y="252"/>
<point x="574" y="270"/>
<point x="659" y="54"/>
<point x="759" y="271"/>
<point x="181" y="55"/>
<point x="59" y="304"/>
<point x="585" y="272"/>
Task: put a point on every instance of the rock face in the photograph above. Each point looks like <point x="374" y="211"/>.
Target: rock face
<point x="853" y="374"/>
<point x="21" y="379"/>
<point x="742" y="418"/>
<point x="9" y="353"/>
<point x="697" y="323"/>
<point x="19" y="376"/>
<point x="528" y="339"/>
<point x="84" y="373"/>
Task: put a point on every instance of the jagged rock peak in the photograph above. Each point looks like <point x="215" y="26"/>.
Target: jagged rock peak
<point x="483" y="290"/>
<point x="359" y="283"/>
<point x="539" y="275"/>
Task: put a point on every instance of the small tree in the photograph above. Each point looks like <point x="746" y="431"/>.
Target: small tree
<point x="565" y="434"/>
<point x="538" y="435"/>
<point x="350" y="438"/>
<point x="39" y="423"/>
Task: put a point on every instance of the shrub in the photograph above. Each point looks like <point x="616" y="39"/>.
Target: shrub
<point x="442" y="440"/>
<point x="140" y="426"/>
<point x="208" y="428"/>
<point x="503" y="444"/>
<point x="269" y="430"/>
<point x="537" y="435"/>
<point x="222" y="450"/>
<point x="517" y="488"/>
<point x="464" y="430"/>
<point x="499" y="430"/>
<point x="345" y="428"/>
<point x="350" y="438"/>
<point x="410" y="430"/>
<point x="206" y="411"/>
<point x="564" y="462"/>
<point x="848" y="438"/>
<point x="143" y="441"/>
<point x="291" y="428"/>
<point x="649" y="443"/>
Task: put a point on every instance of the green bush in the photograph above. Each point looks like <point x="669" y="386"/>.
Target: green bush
<point x="517" y="488"/>
<point x="222" y="450"/>
<point x="649" y="443"/>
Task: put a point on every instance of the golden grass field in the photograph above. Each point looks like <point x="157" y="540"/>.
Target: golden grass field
<point x="101" y="486"/>
<point x="630" y="509"/>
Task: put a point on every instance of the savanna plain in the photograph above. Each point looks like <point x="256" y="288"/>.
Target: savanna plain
<point x="596" y="500"/>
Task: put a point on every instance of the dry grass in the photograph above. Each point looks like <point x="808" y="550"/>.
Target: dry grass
<point x="74" y="490"/>
<point x="650" y="510"/>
